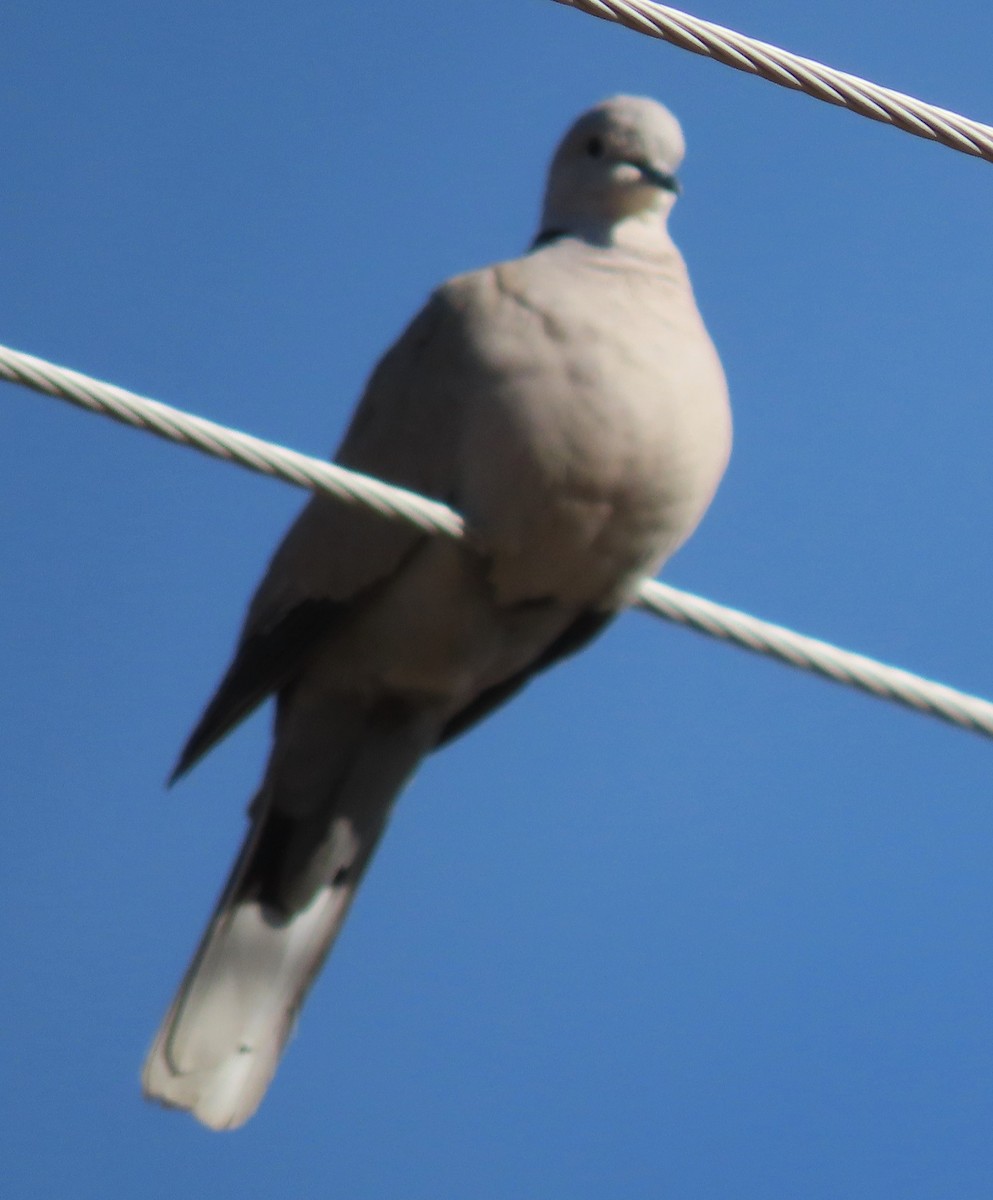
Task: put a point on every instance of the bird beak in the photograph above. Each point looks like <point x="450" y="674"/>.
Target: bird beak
<point x="660" y="179"/>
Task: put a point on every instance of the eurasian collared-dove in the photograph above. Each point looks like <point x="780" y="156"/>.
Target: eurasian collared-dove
<point x="571" y="405"/>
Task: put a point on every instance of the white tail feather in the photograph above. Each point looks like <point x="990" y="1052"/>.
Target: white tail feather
<point x="220" y="1043"/>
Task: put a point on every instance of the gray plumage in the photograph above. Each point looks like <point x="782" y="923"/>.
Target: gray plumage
<point x="571" y="405"/>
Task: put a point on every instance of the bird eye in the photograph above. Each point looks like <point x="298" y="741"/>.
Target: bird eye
<point x="594" y="147"/>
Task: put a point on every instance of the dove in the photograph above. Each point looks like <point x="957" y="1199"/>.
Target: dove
<point x="571" y="405"/>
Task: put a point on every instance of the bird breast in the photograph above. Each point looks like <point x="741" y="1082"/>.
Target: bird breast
<point x="614" y="466"/>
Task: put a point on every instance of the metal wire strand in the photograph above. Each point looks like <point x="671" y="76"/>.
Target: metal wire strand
<point x="221" y="442"/>
<point x="809" y="654"/>
<point x="791" y="71"/>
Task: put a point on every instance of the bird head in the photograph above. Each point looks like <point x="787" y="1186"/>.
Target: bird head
<point x="616" y="163"/>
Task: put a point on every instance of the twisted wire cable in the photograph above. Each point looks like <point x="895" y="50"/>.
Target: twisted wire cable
<point x="222" y="442"/>
<point x="728" y="624"/>
<point x="821" y="658"/>
<point x="791" y="71"/>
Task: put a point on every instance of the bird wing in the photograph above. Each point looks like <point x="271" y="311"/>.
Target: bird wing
<point x="335" y="555"/>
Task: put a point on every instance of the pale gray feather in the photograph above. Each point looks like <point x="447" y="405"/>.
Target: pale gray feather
<point x="571" y="405"/>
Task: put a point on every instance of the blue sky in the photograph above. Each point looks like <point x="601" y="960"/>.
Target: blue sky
<point x="677" y="923"/>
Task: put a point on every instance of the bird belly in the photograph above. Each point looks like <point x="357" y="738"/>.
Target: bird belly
<point x="608" y="482"/>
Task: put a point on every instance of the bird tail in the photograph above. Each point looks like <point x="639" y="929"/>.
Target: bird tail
<point x="284" y="904"/>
